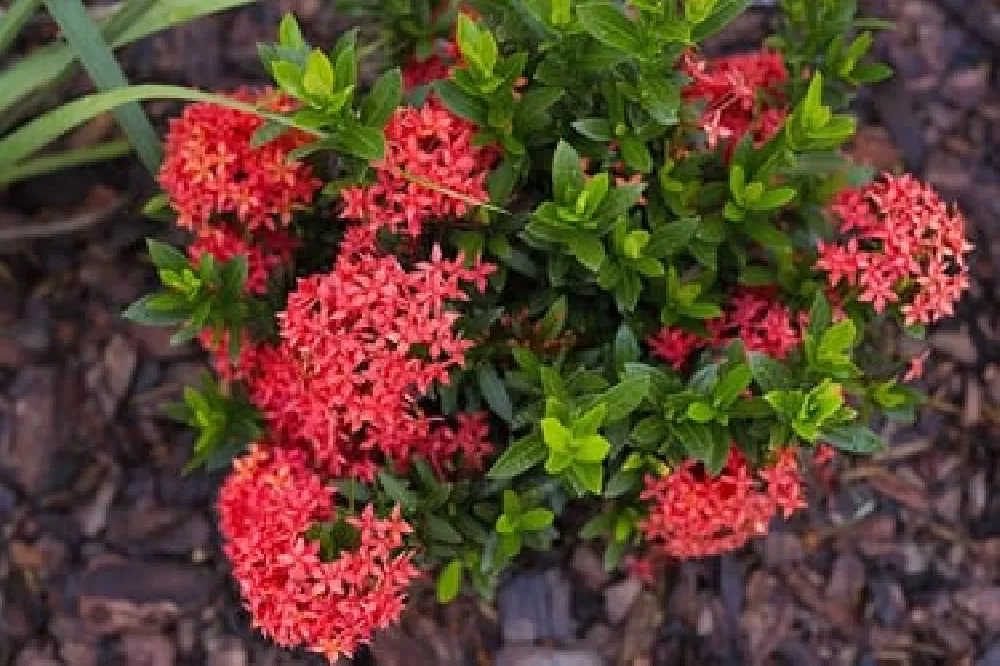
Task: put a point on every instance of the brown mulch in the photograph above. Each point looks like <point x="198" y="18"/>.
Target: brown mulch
<point x="109" y="555"/>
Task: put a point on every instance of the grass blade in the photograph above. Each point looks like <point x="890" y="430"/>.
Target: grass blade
<point x="46" y="164"/>
<point x="48" y="64"/>
<point x="41" y="131"/>
<point x="13" y="21"/>
<point x="97" y="58"/>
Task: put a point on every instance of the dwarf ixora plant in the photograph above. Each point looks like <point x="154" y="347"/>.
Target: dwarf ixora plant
<point x="559" y="257"/>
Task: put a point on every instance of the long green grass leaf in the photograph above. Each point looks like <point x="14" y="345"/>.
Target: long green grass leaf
<point x="14" y="20"/>
<point x="96" y="56"/>
<point x="46" y="164"/>
<point x="47" y="64"/>
<point x="43" y="130"/>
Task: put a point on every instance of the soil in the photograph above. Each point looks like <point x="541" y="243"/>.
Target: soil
<point x="109" y="554"/>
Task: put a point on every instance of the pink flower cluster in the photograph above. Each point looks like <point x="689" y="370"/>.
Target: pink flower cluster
<point x="743" y="95"/>
<point x="432" y="170"/>
<point x="692" y="514"/>
<point x="358" y="347"/>
<point x="753" y="316"/>
<point x="266" y="506"/>
<point x="899" y="243"/>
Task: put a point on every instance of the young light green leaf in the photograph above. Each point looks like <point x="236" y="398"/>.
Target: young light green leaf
<point x="534" y="520"/>
<point x="449" y="582"/>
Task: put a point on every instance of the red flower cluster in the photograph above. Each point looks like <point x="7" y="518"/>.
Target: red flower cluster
<point x="435" y="67"/>
<point x="267" y="251"/>
<point x="900" y="243"/>
<point x="210" y="168"/>
<point x="267" y="504"/>
<point x="358" y="347"/>
<point x="692" y="514"/>
<point x="743" y="95"/>
<point x="432" y="170"/>
<point x="753" y="316"/>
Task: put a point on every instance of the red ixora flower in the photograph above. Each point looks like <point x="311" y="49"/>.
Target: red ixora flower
<point x="753" y="316"/>
<point x="358" y="347"/>
<point x="432" y="170"/>
<point x="210" y="169"/>
<point x="899" y="244"/>
<point x="266" y="506"/>
<point x="693" y="514"/>
<point x="742" y="94"/>
<point x="264" y="251"/>
<point x="435" y="67"/>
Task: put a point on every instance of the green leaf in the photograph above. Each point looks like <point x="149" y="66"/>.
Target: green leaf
<point x="775" y="198"/>
<point x="84" y="37"/>
<point x="625" y="397"/>
<point x="368" y="143"/>
<point x="439" y="529"/>
<point x="461" y="102"/>
<point x="837" y="339"/>
<point x="588" y="250"/>
<point x="398" y="491"/>
<point x="590" y="422"/>
<point x="554" y="321"/>
<point x="700" y="412"/>
<point x="317" y="79"/>
<point x="589" y="476"/>
<point x="556" y="436"/>
<point x="289" y="33"/>
<point x="478" y="47"/>
<point x="854" y="439"/>
<point x="621" y="483"/>
<point x="535" y="520"/>
<point x="732" y="385"/>
<point x="618" y="201"/>
<point x="45" y="66"/>
<point x="162" y="309"/>
<point x="386" y="94"/>
<point x="495" y="393"/>
<point x="820" y="316"/>
<point x="725" y="11"/>
<point x="718" y="453"/>
<point x="591" y="448"/>
<point x="518" y="458"/>
<point x="567" y="174"/>
<point x="16" y="18"/>
<point x="449" y="582"/>
<point x="769" y="373"/>
<point x="626" y="348"/>
<point x="596" y="129"/>
<point x="670" y="239"/>
<point x="44" y="129"/>
<point x="608" y="25"/>
<point x="636" y="154"/>
<point x="165" y="256"/>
